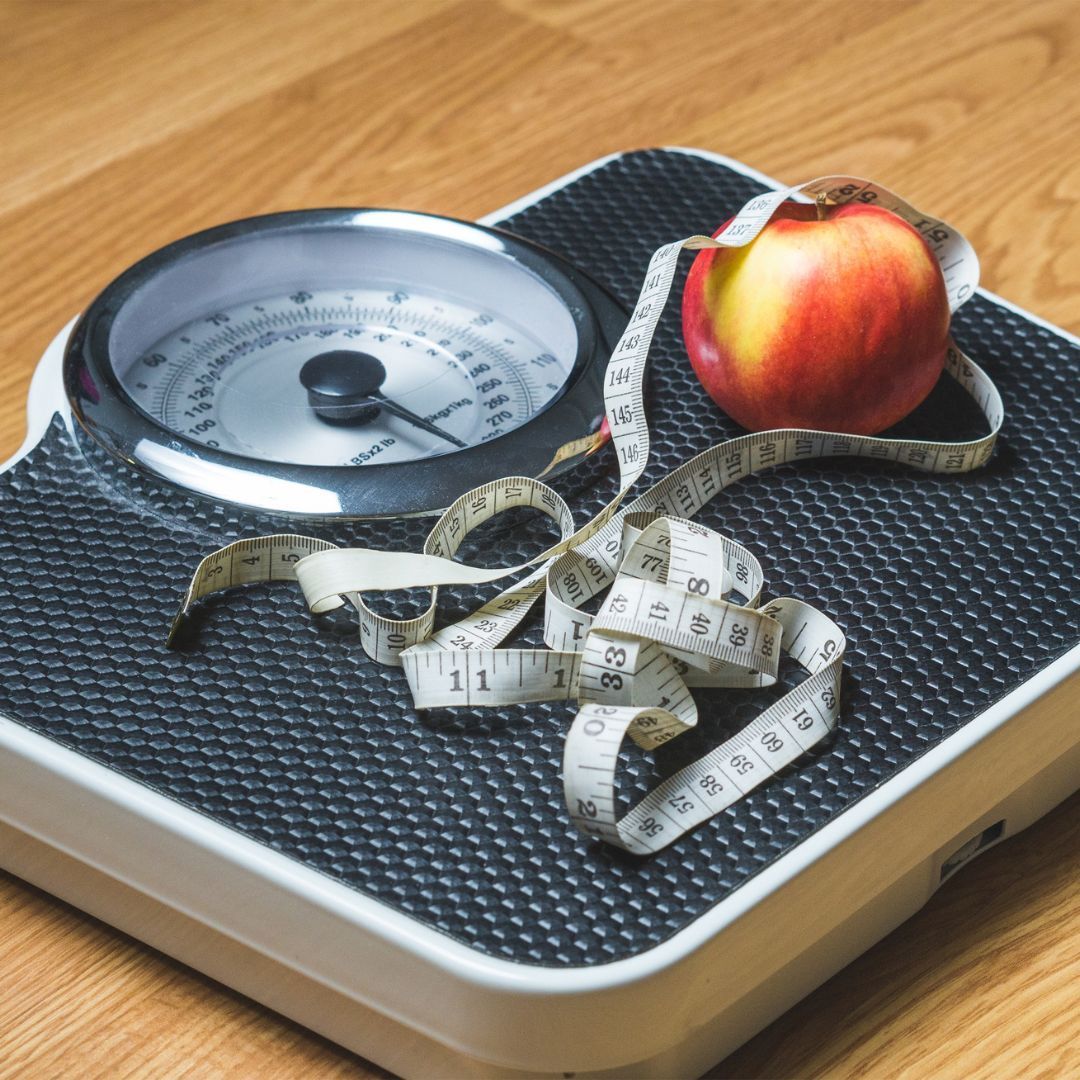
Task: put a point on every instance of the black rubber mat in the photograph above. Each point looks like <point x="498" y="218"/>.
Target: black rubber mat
<point x="952" y="590"/>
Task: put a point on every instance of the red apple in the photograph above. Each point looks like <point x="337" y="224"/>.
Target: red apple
<point x="833" y="318"/>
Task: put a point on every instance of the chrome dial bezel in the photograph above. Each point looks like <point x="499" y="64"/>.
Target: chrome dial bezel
<point x="113" y="419"/>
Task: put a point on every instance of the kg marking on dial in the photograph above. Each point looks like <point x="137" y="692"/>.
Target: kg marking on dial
<point x="346" y="377"/>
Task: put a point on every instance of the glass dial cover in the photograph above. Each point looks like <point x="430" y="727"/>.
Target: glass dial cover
<point x="345" y="362"/>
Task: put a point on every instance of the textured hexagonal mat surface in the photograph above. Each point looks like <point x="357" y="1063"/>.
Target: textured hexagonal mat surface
<point x="952" y="590"/>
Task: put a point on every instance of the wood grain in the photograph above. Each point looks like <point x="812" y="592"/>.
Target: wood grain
<point x="125" y="125"/>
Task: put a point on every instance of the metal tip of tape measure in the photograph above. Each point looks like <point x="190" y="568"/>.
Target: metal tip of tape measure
<point x="178" y="629"/>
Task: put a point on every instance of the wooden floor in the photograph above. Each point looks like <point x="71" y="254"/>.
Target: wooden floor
<point x="125" y="125"/>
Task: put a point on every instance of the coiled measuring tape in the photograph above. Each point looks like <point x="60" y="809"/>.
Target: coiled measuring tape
<point x="683" y="605"/>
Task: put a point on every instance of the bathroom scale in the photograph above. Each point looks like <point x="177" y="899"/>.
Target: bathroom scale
<point x="265" y="803"/>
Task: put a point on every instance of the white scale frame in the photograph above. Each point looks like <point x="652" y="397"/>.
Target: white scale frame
<point x="422" y="1004"/>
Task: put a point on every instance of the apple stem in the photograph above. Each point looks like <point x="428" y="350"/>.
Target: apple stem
<point x="821" y="202"/>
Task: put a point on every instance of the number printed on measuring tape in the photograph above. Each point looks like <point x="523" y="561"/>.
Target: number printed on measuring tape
<point x="682" y="606"/>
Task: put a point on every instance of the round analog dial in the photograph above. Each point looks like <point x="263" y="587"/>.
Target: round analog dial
<point x="447" y="375"/>
<point x="363" y="363"/>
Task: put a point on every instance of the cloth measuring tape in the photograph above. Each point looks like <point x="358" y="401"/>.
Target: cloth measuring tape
<point x="670" y="620"/>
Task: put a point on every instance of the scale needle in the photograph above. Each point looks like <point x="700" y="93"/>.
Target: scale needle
<point x="343" y="388"/>
<point x="399" y="410"/>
